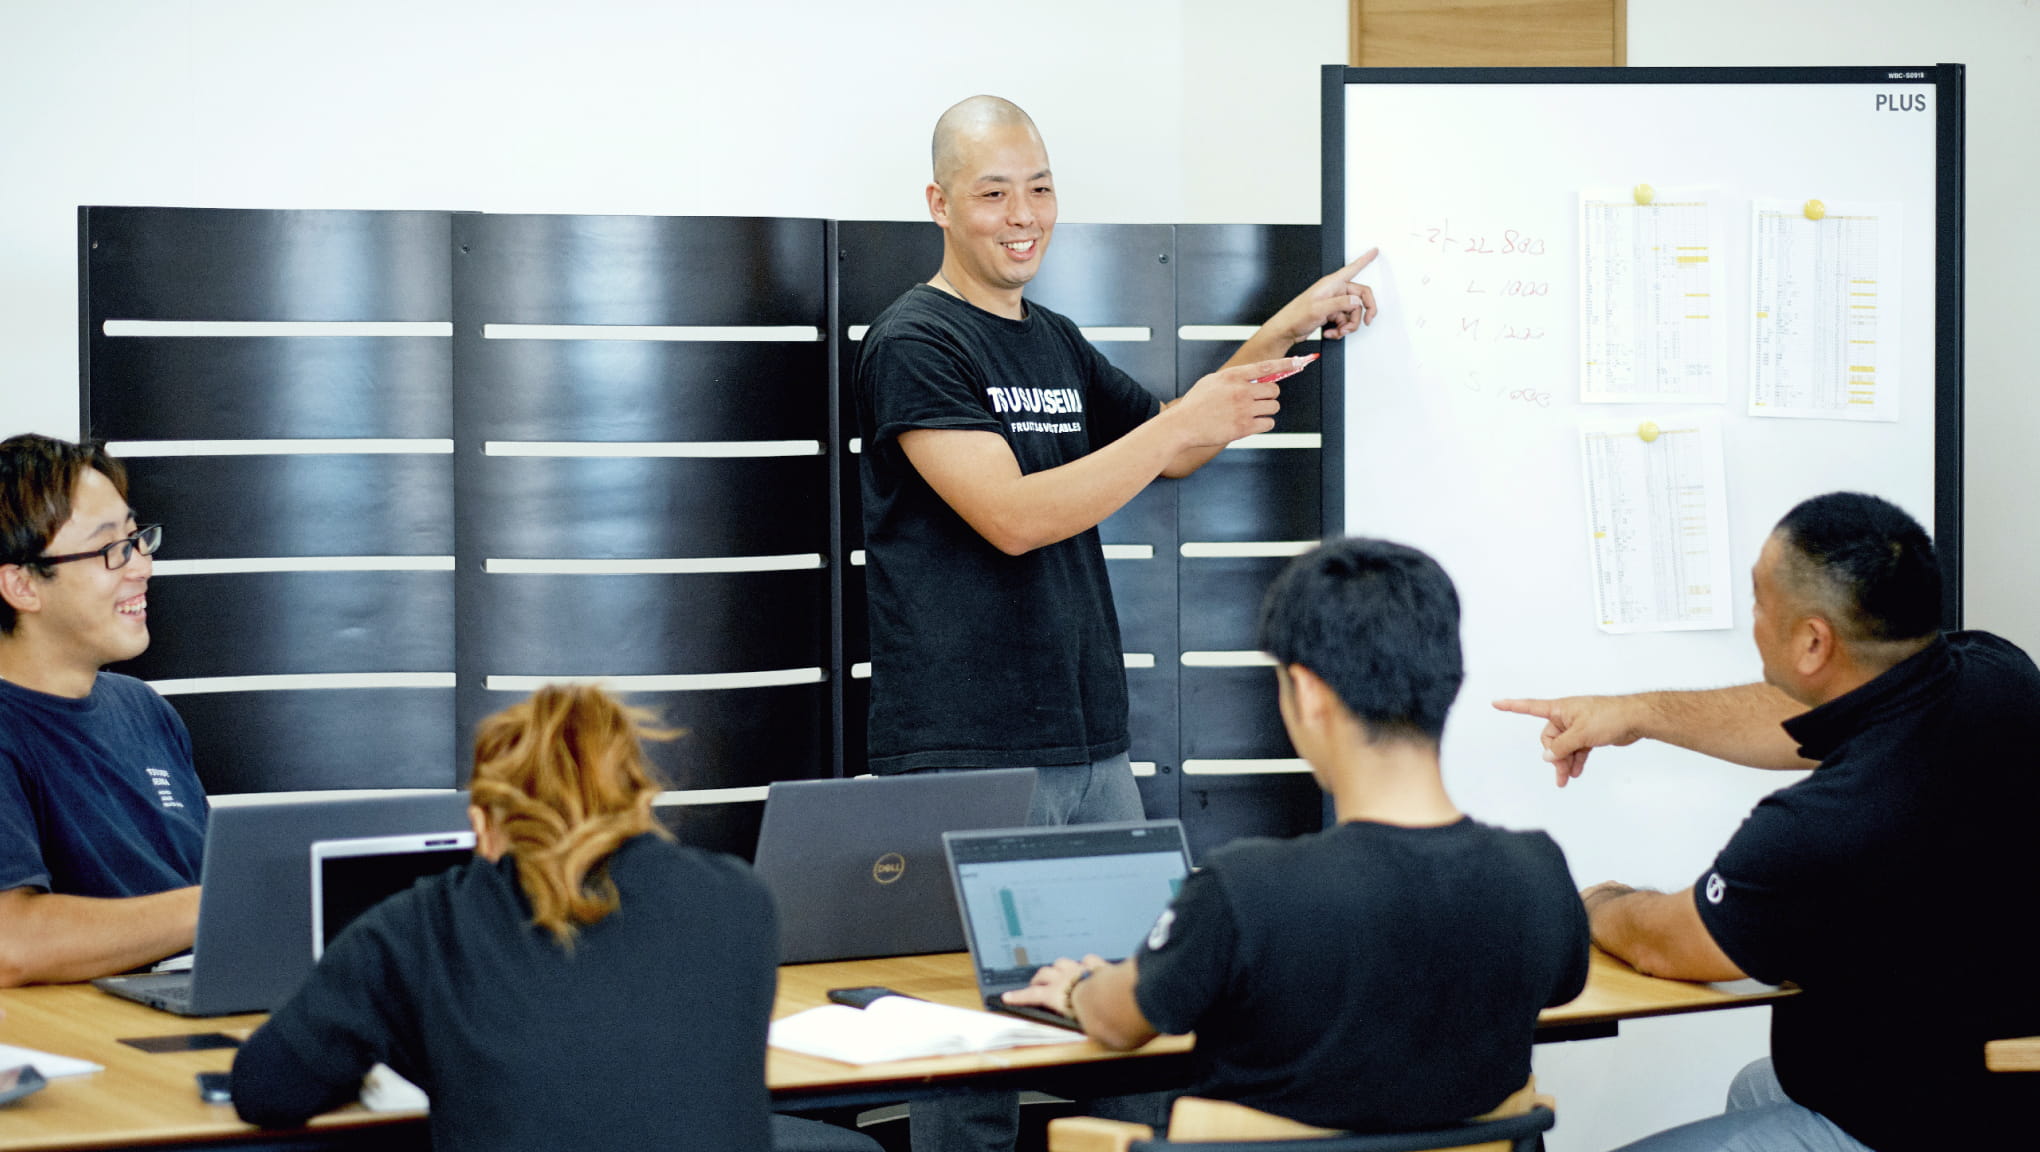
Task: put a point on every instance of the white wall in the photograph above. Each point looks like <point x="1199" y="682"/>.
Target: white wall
<point x="1154" y="110"/>
<point x="780" y="108"/>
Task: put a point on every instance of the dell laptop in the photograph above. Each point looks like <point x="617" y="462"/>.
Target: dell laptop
<point x="855" y="866"/>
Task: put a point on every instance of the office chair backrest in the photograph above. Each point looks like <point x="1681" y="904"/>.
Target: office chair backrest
<point x="1200" y="1125"/>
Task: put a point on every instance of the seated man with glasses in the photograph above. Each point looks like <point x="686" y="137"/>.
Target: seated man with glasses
<point x="102" y="818"/>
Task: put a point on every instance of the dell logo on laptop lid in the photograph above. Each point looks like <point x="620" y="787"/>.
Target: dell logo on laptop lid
<point x="889" y="867"/>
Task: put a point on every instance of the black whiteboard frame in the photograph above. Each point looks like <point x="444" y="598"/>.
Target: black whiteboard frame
<point x="1948" y="81"/>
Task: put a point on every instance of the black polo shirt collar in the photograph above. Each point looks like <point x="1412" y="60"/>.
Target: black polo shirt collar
<point x="1823" y="730"/>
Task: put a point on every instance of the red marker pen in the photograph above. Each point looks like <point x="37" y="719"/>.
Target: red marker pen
<point x="1296" y="364"/>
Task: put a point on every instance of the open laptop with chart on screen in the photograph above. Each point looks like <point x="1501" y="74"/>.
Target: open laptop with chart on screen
<point x="1029" y="896"/>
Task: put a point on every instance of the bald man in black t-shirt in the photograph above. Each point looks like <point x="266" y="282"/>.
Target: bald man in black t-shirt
<point x="995" y="440"/>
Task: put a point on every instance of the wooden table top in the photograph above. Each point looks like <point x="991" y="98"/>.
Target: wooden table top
<point x="1617" y="992"/>
<point x="140" y="1098"/>
<point x="144" y="1099"/>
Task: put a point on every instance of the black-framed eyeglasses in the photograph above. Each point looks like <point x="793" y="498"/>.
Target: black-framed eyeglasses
<point x="145" y="540"/>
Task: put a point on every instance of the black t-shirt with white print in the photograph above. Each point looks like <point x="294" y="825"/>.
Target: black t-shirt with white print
<point x="980" y="659"/>
<point x="98" y="795"/>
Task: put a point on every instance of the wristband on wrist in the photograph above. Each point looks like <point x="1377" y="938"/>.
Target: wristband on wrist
<point x="1070" y="994"/>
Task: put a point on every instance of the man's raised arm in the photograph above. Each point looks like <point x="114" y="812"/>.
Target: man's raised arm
<point x="976" y="473"/>
<point x="52" y="939"/>
<point x="1742" y="725"/>
<point x="1334" y="306"/>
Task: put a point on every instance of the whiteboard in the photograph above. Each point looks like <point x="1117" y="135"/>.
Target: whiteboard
<point x="1455" y="423"/>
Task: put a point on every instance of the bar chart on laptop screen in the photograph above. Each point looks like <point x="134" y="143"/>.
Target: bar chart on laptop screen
<point x="1030" y="912"/>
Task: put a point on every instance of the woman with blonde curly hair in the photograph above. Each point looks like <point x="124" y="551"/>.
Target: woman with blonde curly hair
<point x="584" y="982"/>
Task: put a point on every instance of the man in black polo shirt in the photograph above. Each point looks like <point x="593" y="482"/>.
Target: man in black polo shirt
<point x="1895" y="884"/>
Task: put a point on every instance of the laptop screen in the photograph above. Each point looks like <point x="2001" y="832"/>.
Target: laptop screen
<point x="351" y="876"/>
<point x="1030" y="897"/>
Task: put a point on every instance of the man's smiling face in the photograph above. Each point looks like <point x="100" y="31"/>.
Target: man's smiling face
<point x="997" y="209"/>
<point x="90" y="615"/>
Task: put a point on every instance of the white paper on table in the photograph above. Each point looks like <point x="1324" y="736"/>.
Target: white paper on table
<point x="1652" y="293"/>
<point x="1826" y="299"/>
<point x="1657" y="525"/>
<point x="383" y="1090"/>
<point x="902" y="1028"/>
<point x="49" y="1064"/>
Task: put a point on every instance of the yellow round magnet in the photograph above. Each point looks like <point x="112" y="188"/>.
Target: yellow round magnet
<point x="1647" y="431"/>
<point x="1645" y="193"/>
<point x="1815" y="209"/>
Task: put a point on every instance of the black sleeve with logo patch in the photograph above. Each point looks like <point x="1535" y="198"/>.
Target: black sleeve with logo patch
<point x="1185" y="963"/>
<point x="1759" y="900"/>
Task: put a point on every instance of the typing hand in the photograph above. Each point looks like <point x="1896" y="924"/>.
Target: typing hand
<point x="1051" y="985"/>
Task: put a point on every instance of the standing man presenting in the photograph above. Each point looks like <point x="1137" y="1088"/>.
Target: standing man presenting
<point x="995" y="441"/>
<point x="102" y="818"/>
<point x="1896" y="884"/>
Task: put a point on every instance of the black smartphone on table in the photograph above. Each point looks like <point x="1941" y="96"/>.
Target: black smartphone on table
<point x="216" y="1087"/>
<point x="862" y="997"/>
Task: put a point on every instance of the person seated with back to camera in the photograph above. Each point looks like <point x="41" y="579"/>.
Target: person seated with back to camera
<point x="584" y="982"/>
<point x="1386" y="973"/>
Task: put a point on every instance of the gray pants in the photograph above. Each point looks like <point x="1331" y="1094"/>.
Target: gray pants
<point x="1760" y="1118"/>
<point x="1099" y="793"/>
<point x="974" y="1121"/>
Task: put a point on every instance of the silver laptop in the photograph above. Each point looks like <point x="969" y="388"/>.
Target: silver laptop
<point x="351" y="876"/>
<point x="254" y="910"/>
<point x="1032" y="895"/>
<point x="855" y="866"/>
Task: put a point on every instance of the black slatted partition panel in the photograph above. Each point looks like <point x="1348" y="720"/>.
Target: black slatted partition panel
<point x="641" y="409"/>
<point x="876" y="260"/>
<point x="1115" y="281"/>
<point x="279" y="384"/>
<point x="1243" y="515"/>
<point x="644" y="413"/>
